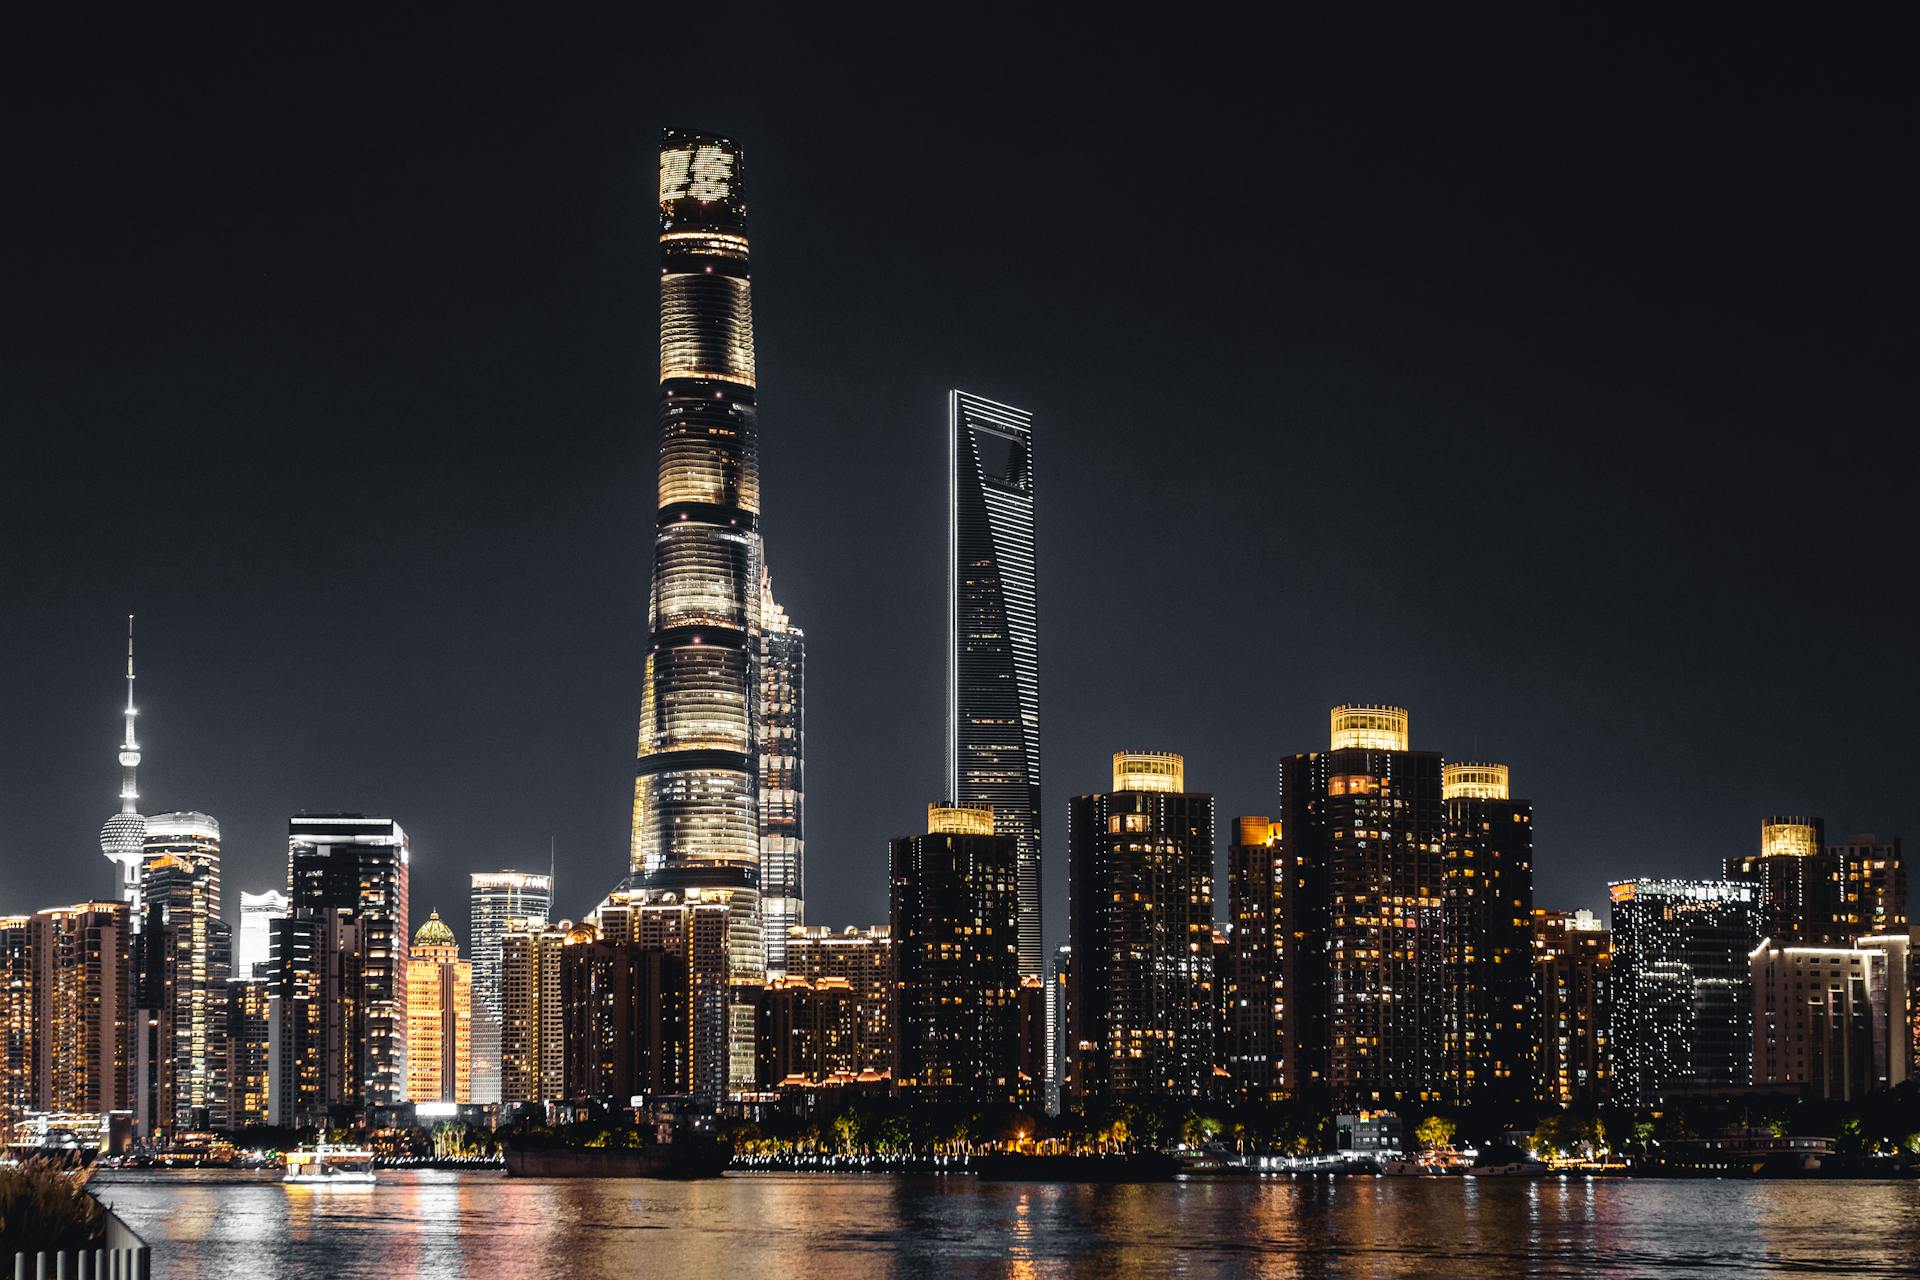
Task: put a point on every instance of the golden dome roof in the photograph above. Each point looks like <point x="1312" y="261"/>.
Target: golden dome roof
<point x="434" y="933"/>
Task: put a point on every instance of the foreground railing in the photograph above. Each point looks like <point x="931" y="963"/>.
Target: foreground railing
<point x="120" y="1255"/>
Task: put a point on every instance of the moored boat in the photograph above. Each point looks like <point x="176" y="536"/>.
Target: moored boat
<point x="328" y="1164"/>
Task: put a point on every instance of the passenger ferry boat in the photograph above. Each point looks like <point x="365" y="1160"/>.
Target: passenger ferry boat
<point x="330" y="1164"/>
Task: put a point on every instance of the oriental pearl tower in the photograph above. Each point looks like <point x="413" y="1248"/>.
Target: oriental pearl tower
<point x="123" y="838"/>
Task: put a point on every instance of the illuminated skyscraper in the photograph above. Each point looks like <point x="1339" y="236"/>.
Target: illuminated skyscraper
<point x="1682" y="1003"/>
<point x="1493" y="1015"/>
<point x="439" y="1017"/>
<point x="83" y="987"/>
<point x="498" y="899"/>
<point x="532" y="1020"/>
<point x="1362" y="826"/>
<point x="188" y="952"/>
<point x="863" y="959"/>
<point x="993" y="637"/>
<point x="16" y="1022"/>
<point x="355" y="869"/>
<point x="696" y="799"/>
<point x="783" y="651"/>
<point x="1573" y="975"/>
<point x="249" y="1051"/>
<point x="1140" y="889"/>
<point x="1255" y="969"/>
<point x="123" y="837"/>
<point x="954" y="922"/>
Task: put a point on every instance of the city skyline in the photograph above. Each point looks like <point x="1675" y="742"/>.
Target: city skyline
<point x="1651" y="636"/>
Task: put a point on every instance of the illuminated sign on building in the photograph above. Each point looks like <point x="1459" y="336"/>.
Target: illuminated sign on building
<point x="696" y="173"/>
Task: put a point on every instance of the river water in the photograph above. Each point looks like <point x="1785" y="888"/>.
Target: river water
<point x="763" y="1226"/>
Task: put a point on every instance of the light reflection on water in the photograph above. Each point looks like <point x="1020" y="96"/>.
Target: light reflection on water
<point x="763" y="1226"/>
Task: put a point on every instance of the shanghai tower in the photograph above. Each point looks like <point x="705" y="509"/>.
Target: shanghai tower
<point x="697" y="831"/>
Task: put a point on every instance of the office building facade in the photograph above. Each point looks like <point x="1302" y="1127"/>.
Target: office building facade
<point x="1682" y="1014"/>
<point x="439" y="1016"/>
<point x="497" y="899"/>
<point x="1824" y="1019"/>
<point x="783" y="741"/>
<point x="993" y="637"/>
<point x="186" y="956"/>
<point x="357" y="867"/>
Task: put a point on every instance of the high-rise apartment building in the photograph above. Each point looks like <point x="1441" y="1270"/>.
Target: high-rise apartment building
<point x="321" y="1055"/>
<point x="701" y="932"/>
<point x="1824" y="1018"/>
<point x="696" y="810"/>
<point x="1573" y="971"/>
<point x="187" y="954"/>
<point x="625" y="1007"/>
<point x="16" y="1022"/>
<point x="253" y="948"/>
<point x="862" y="958"/>
<point x="83" y="989"/>
<point x="1812" y="893"/>
<point x="1363" y="827"/>
<point x="1493" y="1017"/>
<point x="249" y="1052"/>
<point x="1682" y="1004"/>
<point x="955" y="925"/>
<point x="357" y="867"/>
<point x="1874" y="876"/>
<point x="1254" y="969"/>
<point x="532" y="1019"/>
<point x="783" y="739"/>
<point x="1140" y="901"/>
<point x="439" y="1016"/>
<point x="993" y="637"/>
<point x="498" y="898"/>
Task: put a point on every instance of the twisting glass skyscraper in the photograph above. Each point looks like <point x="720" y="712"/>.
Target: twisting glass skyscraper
<point x="697" y="830"/>
<point x="993" y="636"/>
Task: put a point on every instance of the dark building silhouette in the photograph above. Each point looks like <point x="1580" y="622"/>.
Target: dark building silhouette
<point x="1363" y="828"/>
<point x="955" y="928"/>
<point x="1143" y="1017"/>
<point x="1493" y="1017"/>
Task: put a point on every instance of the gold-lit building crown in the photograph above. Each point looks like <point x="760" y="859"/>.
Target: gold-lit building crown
<point x="1257" y="831"/>
<point x="1473" y="782"/>
<point x="955" y="820"/>
<point x="1370" y="727"/>
<point x="1794" y="837"/>
<point x="1149" y="771"/>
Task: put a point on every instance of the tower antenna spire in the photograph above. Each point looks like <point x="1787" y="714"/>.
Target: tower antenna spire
<point x="123" y="838"/>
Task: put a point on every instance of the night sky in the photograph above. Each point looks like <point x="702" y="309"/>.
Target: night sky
<point x="1552" y="382"/>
